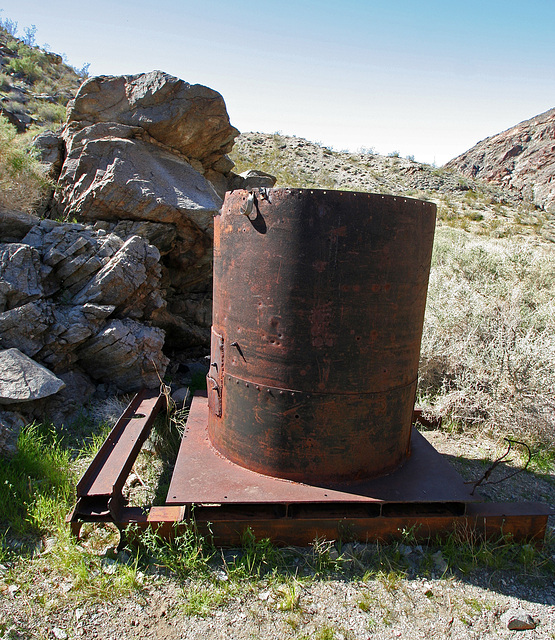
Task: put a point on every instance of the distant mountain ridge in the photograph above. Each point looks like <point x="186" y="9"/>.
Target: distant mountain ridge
<point x="521" y="159"/>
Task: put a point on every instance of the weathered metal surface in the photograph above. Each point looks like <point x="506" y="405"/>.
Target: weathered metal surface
<point x="320" y="294"/>
<point x="203" y="476"/>
<point x="523" y="523"/>
<point x="99" y="490"/>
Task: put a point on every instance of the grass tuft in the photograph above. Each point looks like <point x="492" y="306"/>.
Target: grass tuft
<point x="37" y="485"/>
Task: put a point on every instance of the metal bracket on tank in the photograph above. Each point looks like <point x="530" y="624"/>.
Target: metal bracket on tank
<point x="214" y="378"/>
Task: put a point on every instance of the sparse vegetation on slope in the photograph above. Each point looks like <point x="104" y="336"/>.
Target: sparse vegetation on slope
<point x="488" y="349"/>
<point x="35" y="87"/>
<point x="23" y="180"/>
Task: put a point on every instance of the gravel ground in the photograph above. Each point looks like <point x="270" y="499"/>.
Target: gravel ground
<point x="356" y="591"/>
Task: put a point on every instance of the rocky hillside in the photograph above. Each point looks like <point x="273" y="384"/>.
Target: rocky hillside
<point x="521" y="159"/>
<point x="35" y="85"/>
<point x="463" y="201"/>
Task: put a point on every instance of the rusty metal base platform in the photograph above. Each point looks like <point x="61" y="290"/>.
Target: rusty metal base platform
<point x="426" y="496"/>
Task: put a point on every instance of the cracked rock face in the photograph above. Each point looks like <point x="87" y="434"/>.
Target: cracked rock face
<point x="119" y="178"/>
<point x="65" y="283"/>
<point x="127" y="353"/>
<point x="146" y="155"/>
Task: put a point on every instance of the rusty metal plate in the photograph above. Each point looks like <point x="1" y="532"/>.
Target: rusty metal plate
<point x="280" y="420"/>
<point x="203" y="476"/>
<point x="214" y="379"/>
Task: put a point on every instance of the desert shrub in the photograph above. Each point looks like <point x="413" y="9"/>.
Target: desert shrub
<point x="22" y="179"/>
<point x="30" y="62"/>
<point x="488" y="349"/>
<point x="53" y="114"/>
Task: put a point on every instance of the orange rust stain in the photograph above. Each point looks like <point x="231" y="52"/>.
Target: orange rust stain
<point x="338" y="232"/>
<point x="320" y="319"/>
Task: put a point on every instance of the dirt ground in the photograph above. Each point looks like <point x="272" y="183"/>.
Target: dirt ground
<point x="430" y="597"/>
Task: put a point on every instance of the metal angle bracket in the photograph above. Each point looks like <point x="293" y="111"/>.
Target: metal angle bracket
<point x="99" y="492"/>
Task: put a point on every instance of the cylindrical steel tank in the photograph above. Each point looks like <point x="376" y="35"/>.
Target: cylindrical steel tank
<point x="319" y="301"/>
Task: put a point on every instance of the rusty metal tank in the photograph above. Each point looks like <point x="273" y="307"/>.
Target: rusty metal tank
<point x="319" y="301"/>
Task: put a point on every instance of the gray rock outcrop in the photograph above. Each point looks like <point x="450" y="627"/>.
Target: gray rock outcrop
<point x="142" y="165"/>
<point x="146" y="155"/>
<point x="15" y="225"/>
<point x="63" y="287"/>
<point x="127" y="353"/>
<point x="192" y="119"/>
<point x="521" y="158"/>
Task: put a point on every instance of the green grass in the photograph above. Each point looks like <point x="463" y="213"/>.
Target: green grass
<point x="37" y="485"/>
<point x="36" y="492"/>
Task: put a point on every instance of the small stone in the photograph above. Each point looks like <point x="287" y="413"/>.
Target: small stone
<point x="518" y="620"/>
<point x="124" y="557"/>
<point x="23" y="379"/>
<point x="334" y="554"/>
<point x="109" y="566"/>
<point x="48" y="545"/>
<point x="181" y="397"/>
<point x="60" y="634"/>
<point x="439" y="562"/>
<point x="265" y="595"/>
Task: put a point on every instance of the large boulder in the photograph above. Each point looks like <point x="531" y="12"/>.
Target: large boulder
<point x="117" y="177"/>
<point x="146" y="155"/>
<point x="24" y="380"/>
<point x="192" y="119"/>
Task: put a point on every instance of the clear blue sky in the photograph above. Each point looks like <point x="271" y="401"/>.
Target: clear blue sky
<point x="428" y="78"/>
